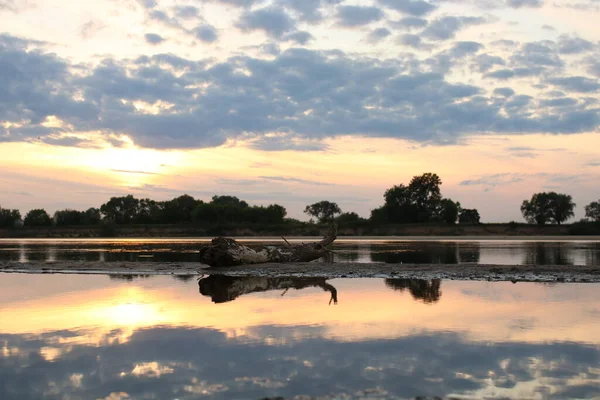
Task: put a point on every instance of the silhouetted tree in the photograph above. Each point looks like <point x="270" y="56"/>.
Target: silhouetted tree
<point x="325" y="211"/>
<point x="592" y="211"/>
<point x="426" y="194"/>
<point x="468" y="216"/>
<point x="349" y="219"/>
<point x="449" y="211"/>
<point x="231" y="210"/>
<point x="121" y="210"/>
<point x="8" y="218"/>
<point x="420" y="201"/>
<point x="548" y="207"/>
<point x="38" y="217"/>
<point x="180" y="209"/>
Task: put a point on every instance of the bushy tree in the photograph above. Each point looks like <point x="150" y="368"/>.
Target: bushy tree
<point x="8" y="218"/>
<point x="592" y="211"/>
<point x="179" y="210"/>
<point x="420" y="201"/>
<point x="468" y="216"/>
<point x="231" y="210"/>
<point x="449" y="211"/>
<point x="325" y="211"/>
<point x="37" y="217"/>
<point x="121" y="210"/>
<point x="548" y="207"/>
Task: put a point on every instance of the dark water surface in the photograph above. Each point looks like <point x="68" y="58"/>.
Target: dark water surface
<point x="506" y="252"/>
<point x="100" y="337"/>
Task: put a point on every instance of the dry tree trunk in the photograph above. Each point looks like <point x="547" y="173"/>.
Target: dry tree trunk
<point x="224" y="252"/>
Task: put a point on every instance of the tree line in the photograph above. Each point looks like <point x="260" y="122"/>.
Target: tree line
<point x="420" y="201"/>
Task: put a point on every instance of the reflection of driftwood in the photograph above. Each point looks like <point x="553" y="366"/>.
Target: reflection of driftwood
<point x="222" y="288"/>
<point x="420" y="289"/>
<point x="224" y="252"/>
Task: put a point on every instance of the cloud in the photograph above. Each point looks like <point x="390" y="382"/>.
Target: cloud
<point x="153" y="38"/>
<point x="525" y="3"/>
<point x="307" y="10"/>
<point x="409" y="23"/>
<point x="238" y="3"/>
<point x="505" y="92"/>
<point x="461" y="49"/>
<point x="355" y="16"/>
<point x="413" y="41"/>
<point x="295" y="180"/>
<point x="274" y="21"/>
<point x="248" y="366"/>
<point x="90" y="28"/>
<point x="186" y="12"/>
<point x="298" y="37"/>
<point x="537" y="55"/>
<point x="485" y="62"/>
<point x="579" y="84"/>
<point x="493" y="180"/>
<point x="125" y="171"/>
<point x="411" y="7"/>
<point x="445" y="28"/>
<point x="291" y="101"/>
<point x="206" y="33"/>
<point x="502" y="179"/>
<point x="573" y="45"/>
<point x="376" y="35"/>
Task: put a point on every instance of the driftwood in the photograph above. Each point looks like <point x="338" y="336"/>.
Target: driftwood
<point x="221" y="288"/>
<point x="225" y="252"/>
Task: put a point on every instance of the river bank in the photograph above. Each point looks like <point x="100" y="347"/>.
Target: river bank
<point x="514" y="273"/>
<point x="302" y="229"/>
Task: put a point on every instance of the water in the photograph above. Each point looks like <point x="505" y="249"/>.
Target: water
<point x="96" y="337"/>
<point x="503" y="252"/>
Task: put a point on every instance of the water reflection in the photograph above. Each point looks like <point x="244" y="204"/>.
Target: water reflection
<point x="420" y="289"/>
<point x="90" y="337"/>
<point x="222" y="289"/>
<point x="361" y="251"/>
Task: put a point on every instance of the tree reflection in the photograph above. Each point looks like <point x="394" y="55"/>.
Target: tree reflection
<point x="427" y="291"/>
<point x="419" y="253"/>
<point x="222" y="289"/>
<point x="539" y="253"/>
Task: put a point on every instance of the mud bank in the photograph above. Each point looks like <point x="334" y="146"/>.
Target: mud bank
<point x="520" y="273"/>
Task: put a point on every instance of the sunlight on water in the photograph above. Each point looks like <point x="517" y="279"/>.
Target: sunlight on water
<point x="222" y="337"/>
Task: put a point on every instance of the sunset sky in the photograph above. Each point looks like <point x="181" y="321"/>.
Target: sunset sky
<point x="296" y="101"/>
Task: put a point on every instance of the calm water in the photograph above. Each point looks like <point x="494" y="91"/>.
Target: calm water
<point x="95" y="337"/>
<point x="364" y="251"/>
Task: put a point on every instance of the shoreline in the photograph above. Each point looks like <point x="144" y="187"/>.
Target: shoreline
<point x="271" y="239"/>
<point x="480" y="272"/>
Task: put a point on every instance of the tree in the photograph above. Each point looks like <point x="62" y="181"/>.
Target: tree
<point x="38" y="217"/>
<point x="420" y="201"/>
<point x="592" y="211"/>
<point x="468" y="216"/>
<point x="562" y="207"/>
<point x="121" y="210"/>
<point x="349" y="218"/>
<point x="325" y="211"/>
<point x="548" y="207"/>
<point x="91" y="216"/>
<point x="449" y="211"/>
<point x="8" y="218"/>
<point x="426" y="195"/>
<point x="179" y="210"/>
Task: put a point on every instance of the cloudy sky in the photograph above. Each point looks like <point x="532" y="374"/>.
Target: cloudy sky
<point x="295" y="101"/>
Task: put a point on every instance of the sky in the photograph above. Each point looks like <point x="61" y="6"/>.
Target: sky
<point x="297" y="101"/>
